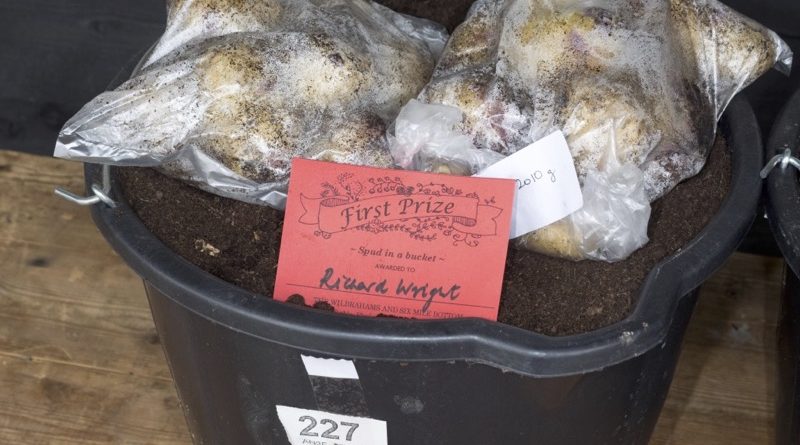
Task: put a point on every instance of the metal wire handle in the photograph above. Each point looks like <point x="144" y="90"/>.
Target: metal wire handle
<point x="784" y="160"/>
<point x="100" y="192"/>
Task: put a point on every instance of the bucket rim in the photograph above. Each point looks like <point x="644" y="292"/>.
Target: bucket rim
<point x="783" y="187"/>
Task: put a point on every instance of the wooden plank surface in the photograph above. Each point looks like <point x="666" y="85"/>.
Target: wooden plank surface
<point x="724" y="387"/>
<point x="80" y="361"/>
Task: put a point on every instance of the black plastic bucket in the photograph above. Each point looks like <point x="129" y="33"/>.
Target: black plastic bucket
<point x="235" y="356"/>
<point x="783" y="208"/>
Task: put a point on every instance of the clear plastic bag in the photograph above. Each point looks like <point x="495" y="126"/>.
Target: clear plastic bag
<point x="428" y="135"/>
<point x="649" y="77"/>
<point x="235" y="89"/>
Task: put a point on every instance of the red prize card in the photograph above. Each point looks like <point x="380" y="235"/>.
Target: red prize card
<point x="371" y="241"/>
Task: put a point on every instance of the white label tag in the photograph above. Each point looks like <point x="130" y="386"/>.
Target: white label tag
<point x="328" y="367"/>
<point x="547" y="185"/>
<point x="309" y="427"/>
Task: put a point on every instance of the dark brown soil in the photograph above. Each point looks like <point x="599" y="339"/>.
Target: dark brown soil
<point x="557" y="297"/>
<point x="239" y="243"/>
<point x="449" y="13"/>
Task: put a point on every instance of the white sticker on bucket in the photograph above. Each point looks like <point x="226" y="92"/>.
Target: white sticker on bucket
<point x="547" y="184"/>
<point x="310" y="427"/>
<point x="329" y="367"/>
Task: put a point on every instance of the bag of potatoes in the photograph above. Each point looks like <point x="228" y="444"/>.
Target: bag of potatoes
<point x="235" y="89"/>
<point x="636" y="86"/>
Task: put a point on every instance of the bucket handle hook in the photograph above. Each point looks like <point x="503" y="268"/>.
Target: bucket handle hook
<point x="100" y="192"/>
<point x="785" y="159"/>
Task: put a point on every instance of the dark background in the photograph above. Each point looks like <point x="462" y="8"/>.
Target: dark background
<point x="55" y="55"/>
